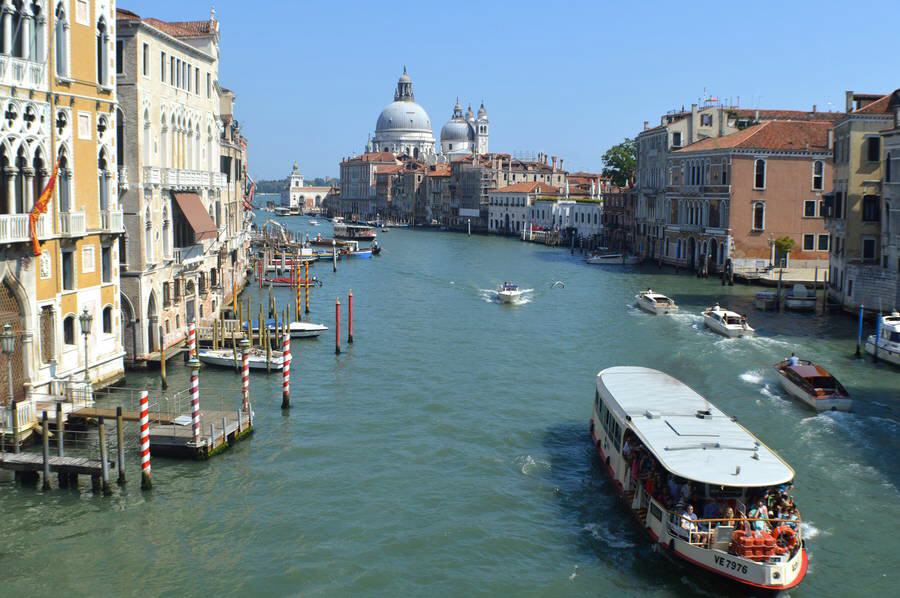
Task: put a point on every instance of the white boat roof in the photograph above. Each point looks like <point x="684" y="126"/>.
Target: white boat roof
<point x="892" y="321"/>
<point x="662" y="411"/>
<point x="653" y="295"/>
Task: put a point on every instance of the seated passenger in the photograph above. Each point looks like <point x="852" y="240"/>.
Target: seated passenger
<point x="689" y="523"/>
<point x="728" y="518"/>
<point x="793" y="519"/>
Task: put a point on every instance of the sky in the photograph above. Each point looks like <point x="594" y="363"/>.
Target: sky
<point x="565" y="78"/>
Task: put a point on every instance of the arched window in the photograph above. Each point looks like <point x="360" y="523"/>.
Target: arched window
<point x="69" y="330"/>
<point x="167" y="234"/>
<point x="818" y="175"/>
<point x="107" y="319"/>
<point x="102" y="52"/>
<point x="103" y="181"/>
<point x="759" y="174"/>
<point x="65" y="184"/>
<point x="61" y="41"/>
<point x="163" y="143"/>
<point x="145" y="146"/>
<point x="759" y="215"/>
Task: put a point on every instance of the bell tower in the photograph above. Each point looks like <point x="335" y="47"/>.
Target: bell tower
<point x="404" y="91"/>
<point x="482" y="125"/>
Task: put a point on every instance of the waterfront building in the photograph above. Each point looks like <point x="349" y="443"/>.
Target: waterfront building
<point x="180" y="208"/>
<point x="890" y="217"/>
<point x="568" y="216"/>
<point x="438" y="199"/>
<point x="509" y="206"/>
<point x="300" y="197"/>
<point x="732" y="197"/>
<point x="860" y="268"/>
<point x="359" y="191"/>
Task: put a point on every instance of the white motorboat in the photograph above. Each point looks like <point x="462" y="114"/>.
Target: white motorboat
<point x="727" y="323"/>
<point x="618" y="259"/>
<point x="225" y="358"/>
<point x="641" y="413"/>
<point x="799" y="298"/>
<point x="655" y="303"/>
<point x="314" y="223"/>
<point x="813" y="385"/>
<point x="306" y="329"/>
<point x="509" y="292"/>
<point x="888" y="341"/>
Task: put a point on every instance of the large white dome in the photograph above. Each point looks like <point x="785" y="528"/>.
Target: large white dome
<point x="403" y="116"/>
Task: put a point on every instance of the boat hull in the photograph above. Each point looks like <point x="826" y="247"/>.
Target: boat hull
<point x="226" y="359"/>
<point x="655" y="309"/>
<point x="727" y="331"/>
<point x="506" y="297"/>
<point x="800" y="304"/>
<point x="833" y="403"/>
<point x="885" y="353"/>
<point x="620" y="260"/>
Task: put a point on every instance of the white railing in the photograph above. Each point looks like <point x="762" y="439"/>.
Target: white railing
<point x="219" y="180"/>
<point x="183" y="254"/>
<point x="72" y="224"/>
<point x="24" y="411"/>
<point x="16" y="228"/>
<point x="22" y="73"/>
<point x="174" y="177"/>
<point x="112" y="221"/>
<point x="152" y="175"/>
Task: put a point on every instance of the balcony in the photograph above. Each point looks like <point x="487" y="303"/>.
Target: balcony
<point x="16" y="72"/>
<point x="219" y="180"/>
<point x="112" y="221"/>
<point x="186" y="255"/>
<point x="72" y="224"/>
<point x="152" y="175"/>
<point x="15" y="228"/>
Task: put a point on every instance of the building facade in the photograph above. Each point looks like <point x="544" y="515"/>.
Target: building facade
<point x="509" y="207"/>
<point x="305" y="199"/>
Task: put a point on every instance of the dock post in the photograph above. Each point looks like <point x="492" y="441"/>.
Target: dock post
<point x="778" y="296"/>
<point x="350" y="317"/>
<point x="45" y="450"/>
<point x="162" y="360"/>
<point x="224" y="429"/>
<point x="239" y="423"/>
<point x="104" y="456"/>
<point x="192" y="340"/>
<point x="234" y="346"/>
<point x="245" y="375"/>
<point x="194" y="364"/>
<point x="146" y="481"/>
<point x="337" y="326"/>
<point x="120" y="445"/>
<point x="286" y="372"/>
<point x="306" y="283"/>
<point x="60" y="429"/>
<point x="15" y="424"/>
<point x="333" y="255"/>
<point x="212" y="438"/>
<point x="268" y="342"/>
<point x="816" y="289"/>
<point x="877" y="337"/>
<point x="859" y="330"/>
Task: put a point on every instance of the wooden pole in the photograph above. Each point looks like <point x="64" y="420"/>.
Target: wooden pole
<point x="859" y="333"/>
<point x="104" y="456"/>
<point x="308" y="287"/>
<point x="15" y="425"/>
<point x="45" y="450"/>
<point x="60" y="430"/>
<point x="146" y="480"/>
<point x="337" y="326"/>
<point x="162" y="360"/>
<point x="234" y="347"/>
<point x="120" y="445"/>
<point x="350" y="317"/>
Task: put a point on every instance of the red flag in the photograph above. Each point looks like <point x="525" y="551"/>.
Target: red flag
<point x="40" y="207"/>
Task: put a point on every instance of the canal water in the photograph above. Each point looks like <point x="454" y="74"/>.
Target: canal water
<point x="446" y="453"/>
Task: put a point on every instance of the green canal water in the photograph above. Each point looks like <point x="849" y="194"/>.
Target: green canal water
<point x="446" y="453"/>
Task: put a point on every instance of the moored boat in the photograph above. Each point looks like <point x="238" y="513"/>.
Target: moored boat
<point x="655" y="303"/>
<point x="727" y="323"/>
<point x="613" y="258"/>
<point x="813" y="385"/>
<point x="225" y="358"/>
<point x="887" y="343"/>
<point x="282" y="211"/>
<point x="357" y="232"/>
<point x="313" y="222"/>
<point x="765" y="300"/>
<point x="799" y="298"/>
<point x="668" y="450"/>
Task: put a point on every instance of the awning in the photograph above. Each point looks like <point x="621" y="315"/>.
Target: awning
<point x="192" y="207"/>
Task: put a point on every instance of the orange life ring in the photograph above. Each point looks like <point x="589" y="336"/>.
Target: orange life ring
<point x="785" y="539"/>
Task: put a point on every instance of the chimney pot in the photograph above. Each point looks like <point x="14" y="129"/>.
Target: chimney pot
<point x="814" y="108"/>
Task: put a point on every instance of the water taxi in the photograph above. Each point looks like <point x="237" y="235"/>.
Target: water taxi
<point x="509" y="292"/>
<point x="813" y="385"/>
<point x="669" y="452"/>
<point x="888" y="341"/>
<point x="225" y="358"/>
<point x="358" y="232"/>
<point x="727" y="323"/>
<point x="296" y="329"/>
<point x="655" y="303"/>
<point x="613" y="258"/>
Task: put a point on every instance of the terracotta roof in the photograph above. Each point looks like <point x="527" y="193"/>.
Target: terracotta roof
<point x="174" y="28"/>
<point x="532" y="187"/>
<point x="374" y="157"/>
<point x="784" y="135"/>
<point x="127" y="15"/>
<point x="805" y="115"/>
<point x="439" y="170"/>
<point x="879" y="106"/>
<point x="389" y="168"/>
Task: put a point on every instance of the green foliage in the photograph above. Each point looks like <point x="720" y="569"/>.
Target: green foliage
<point x="619" y="163"/>
<point x="783" y="245"/>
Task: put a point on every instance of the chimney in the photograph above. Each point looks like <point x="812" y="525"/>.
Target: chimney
<point x="553" y="158"/>
<point x="814" y="109"/>
<point x="848" y="95"/>
<point x="830" y="139"/>
<point x="756" y="115"/>
<point x="560" y="163"/>
<point x="646" y="125"/>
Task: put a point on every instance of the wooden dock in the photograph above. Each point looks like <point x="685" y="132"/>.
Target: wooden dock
<point x="218" y="431"/>
<point x="110" y="414"/>
<point x="67" y="465"/>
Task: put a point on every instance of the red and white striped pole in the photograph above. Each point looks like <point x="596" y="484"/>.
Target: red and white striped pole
<point x="192" y="340"/>
<point x="286" y="371"/>
<point x="146" y="481"/>
<point x="194" y="364"/>
<point x="245" y="375"/>
<point x="337" y="326"/>
<point x="350" y="318"/>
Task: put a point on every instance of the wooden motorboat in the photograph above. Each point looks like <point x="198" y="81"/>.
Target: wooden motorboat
<point x="727" y="323"/>
<point x="655" y="303"/>
<point x="813" y="385"/>
<point x="618" y="259"/>
<point x="225" y="358"/>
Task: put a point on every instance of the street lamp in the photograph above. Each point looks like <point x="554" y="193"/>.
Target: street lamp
<point x="86" y="319"/>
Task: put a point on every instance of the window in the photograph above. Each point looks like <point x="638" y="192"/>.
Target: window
<point x="676" y="139"/>
<point x="818" y="179"/>
<point x="171" y="70"/>
<point x="48" y="347"/>
<point x="208" y="84"/>
<point x="106" y="263"/>
<point x="102" y="52"/>
<point x="178" y="72"/>
<point x="870" y="208"/>
<point x="809" y="242"/>
<point x="120" y="57"/>
<point x="162" y="67"/>
<point x="61" y="41"/>
<point x="759" y="215"/>
<point x="868" y="249"/>
<point x="88" y="265"/>
<point x="839" y="204"/>
<point x="759" y="174"/>
<point x="145" y="60"/>
<point x="69" y="330"/>
<point x="809" y="208"/>
<point x="706" y="120"/>
<point x="887" y="167"/>
<point x="107" y="319"/>
<point x="824" y="242"/>
<point x="68" y="270"/>
<point x="197" y="81"/>
<point x="873" y="149"/>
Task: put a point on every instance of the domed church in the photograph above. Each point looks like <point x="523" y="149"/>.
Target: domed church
<point x="404" y="127"/>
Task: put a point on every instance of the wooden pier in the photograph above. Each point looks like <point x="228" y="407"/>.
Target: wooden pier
<point x="218" y="431"/>
<point x="33" y="462"/>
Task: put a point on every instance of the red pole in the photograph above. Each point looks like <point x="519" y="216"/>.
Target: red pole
<point x="337" y="326"/>
<point x="350" y="318"/>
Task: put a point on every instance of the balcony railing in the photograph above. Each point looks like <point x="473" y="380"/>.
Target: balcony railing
<point x="22" y="73"/>
<point x="219" y="180"/>
<point x="112" y="221"/>
<point x="152" y="175"/>
<point x="15" y="228"/>
<point x="191" y="252"/>
<point x="72" y="224"/>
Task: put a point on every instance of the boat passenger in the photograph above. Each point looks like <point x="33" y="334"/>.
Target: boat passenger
<point x="759" y="516"/>
<point x="792" y="520"/>
<point x="793" y="360"/>
<point x="674" y="488"/>
<point x="689" y="523"/>
<point x="728" y="518"/>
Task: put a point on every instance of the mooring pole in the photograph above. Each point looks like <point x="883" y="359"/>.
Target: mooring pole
<point x="194" y="364"/>
<point x="859" y="332"/>
<point x="333" y="255"/>
<point x="120" y="445"/>
<point x="146" y="480"/>
<point x="104" y="455"/>
<point x="60" y="430"/>
<point x="877" y="338"/>
<point x="350" y="317"/>
<point x="286" y="371"/>
<point x="162" y="360"/>
<point x="45" y="450"/>
<point x="337" y="326"/>
<point x="245" y="375"/>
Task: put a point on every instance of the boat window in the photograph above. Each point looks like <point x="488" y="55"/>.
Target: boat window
<point x="894" y="337"/>
<point x="823" y="382"/>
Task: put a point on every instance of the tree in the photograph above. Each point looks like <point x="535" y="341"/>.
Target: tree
<point x="783" y="245"/>
<point x="619" y="163"/>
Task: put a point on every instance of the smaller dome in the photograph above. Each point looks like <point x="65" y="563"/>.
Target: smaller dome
<point x="457" y="131"/>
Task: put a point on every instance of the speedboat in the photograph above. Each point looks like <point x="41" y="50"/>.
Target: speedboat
<point x="225" y="358"/>
<point x="655" y="303"/>
<point x="509" y="292"/>
<point x="613" y="258"/>
<point x="727" y="323"/>
<point x="314" y="223"/>
<point x="800" y="298"/>
<point x="813" y="385"/>
<point x="887" y="345"/>
<point x="679" y="435"/>
<point x="306" y="329"/>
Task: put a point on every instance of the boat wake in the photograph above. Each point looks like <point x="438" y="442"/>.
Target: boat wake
<point x="752" y="377"/>
<point x="598" y="532"/>
<point x="529" y="465"/>
<point x="490" y="296"/>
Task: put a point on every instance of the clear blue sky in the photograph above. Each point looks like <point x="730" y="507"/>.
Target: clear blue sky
<point x="568" y="78"/>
